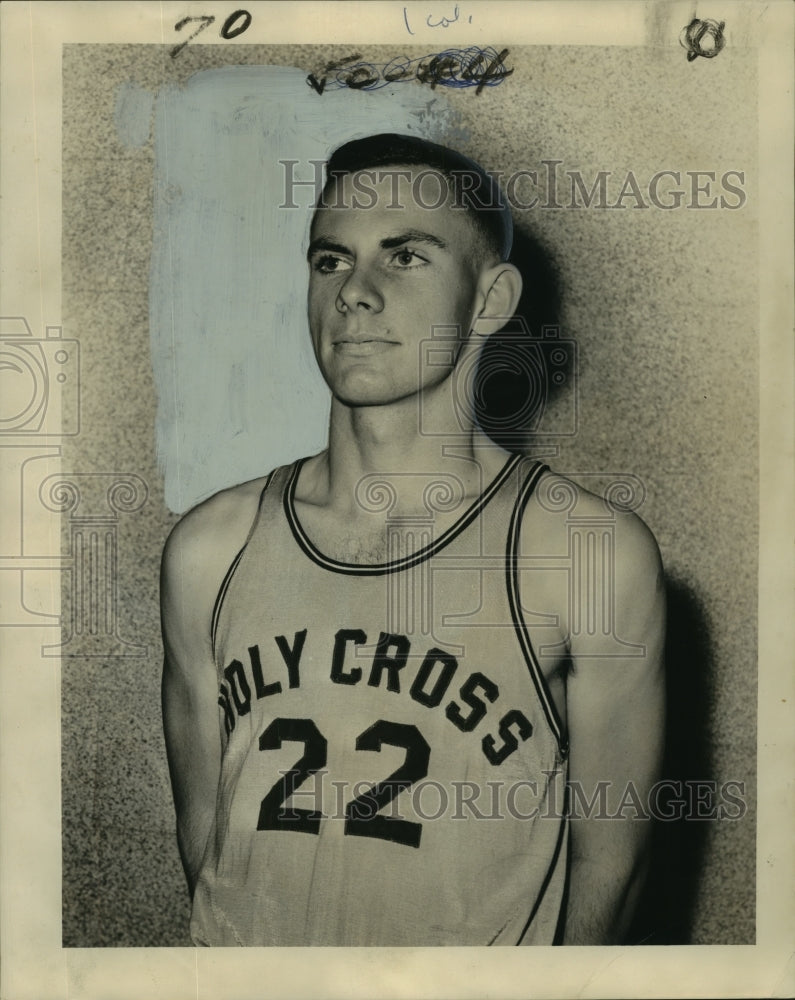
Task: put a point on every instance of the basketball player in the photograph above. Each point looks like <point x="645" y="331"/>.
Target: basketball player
<point x="379" y="673"/>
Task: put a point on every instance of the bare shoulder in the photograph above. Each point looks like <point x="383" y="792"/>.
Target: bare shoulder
<point x="217" y="524"/>
<point x="561" y="504"/>
<point x="605" y="555"/>
<point x="200" y="549"/>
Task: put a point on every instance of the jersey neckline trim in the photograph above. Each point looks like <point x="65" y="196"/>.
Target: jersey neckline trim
<point x="395" y="565"/>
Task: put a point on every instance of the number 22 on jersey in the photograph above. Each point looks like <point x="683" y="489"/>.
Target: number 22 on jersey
<point x="362" y="814"/>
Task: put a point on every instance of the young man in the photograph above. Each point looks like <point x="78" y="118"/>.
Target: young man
<point x="375" y="689"/>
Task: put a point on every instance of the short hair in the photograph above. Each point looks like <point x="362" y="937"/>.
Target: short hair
<point x="473" y="189"/>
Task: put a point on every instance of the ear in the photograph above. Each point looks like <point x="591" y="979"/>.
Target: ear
<point x="499" y="290"/>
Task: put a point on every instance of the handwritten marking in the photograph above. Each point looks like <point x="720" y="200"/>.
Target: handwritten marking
<point x="206" y="20"/>
<point x="320" y="85"/>
<point x="472" y="67"/>
<point x="443" y="22"/>
<point x="227" y="31"/>
<point x="228" y="28"/>
<point x="697" y="32"/>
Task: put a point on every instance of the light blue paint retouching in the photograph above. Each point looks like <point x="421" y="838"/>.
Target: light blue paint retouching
<point x="133" y="114"/>
<point x="238" y="388"/>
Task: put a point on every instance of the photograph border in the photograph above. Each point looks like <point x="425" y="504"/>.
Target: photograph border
<point x="35" y="963"/>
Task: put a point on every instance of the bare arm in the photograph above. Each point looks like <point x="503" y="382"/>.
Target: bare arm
<point x="615" y="707"/>
<point x="197" y="555"/>
<point x="189" y="694"/>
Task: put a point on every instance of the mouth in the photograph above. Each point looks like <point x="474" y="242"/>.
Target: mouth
<point x="361" y="347"/>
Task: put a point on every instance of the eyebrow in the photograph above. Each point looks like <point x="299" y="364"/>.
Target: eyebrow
<point x="388" y="243"/>
<point x="322" y="243"/>
<point x="413" y="236"/>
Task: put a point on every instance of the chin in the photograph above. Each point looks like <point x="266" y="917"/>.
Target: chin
<point x="361" y="388"/>
<point x="354" y="399"/>
<point x="353" y="393"/>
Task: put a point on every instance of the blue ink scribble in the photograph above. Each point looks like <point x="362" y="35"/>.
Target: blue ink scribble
<point x="471" y="67"/>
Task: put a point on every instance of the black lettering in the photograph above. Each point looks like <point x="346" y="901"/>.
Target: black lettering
<point x="241" y="692"/>
<point x="272" y="815"/>
<point x="342" y="637"/>
<point x="496" y="755"/>
<point x="453" y="712"/>
<point x="229" y="715"/>
<point x="362" y="817"/>
<point x="292" y="657"/>
<point x="449" y="666"/>
<point x="392" y="664"/>
<point x="262" y="689"/>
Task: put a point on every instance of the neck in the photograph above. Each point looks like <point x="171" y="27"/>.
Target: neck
<point x="406" y="447"/>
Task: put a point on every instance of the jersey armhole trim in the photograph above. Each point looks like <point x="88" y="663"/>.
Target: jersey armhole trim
<point x="219" y="600"/>
<point x="520" y="626"/>
<point x="563" y="833"/>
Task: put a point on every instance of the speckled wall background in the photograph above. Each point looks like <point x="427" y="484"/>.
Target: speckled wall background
<point x="663" y="307"/>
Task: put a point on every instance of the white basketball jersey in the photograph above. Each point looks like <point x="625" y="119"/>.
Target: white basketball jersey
<point x="393" y="767"/>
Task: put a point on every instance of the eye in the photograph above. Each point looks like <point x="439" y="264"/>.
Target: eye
<point x="404" y="258"/>
<point x="329" y="263"/>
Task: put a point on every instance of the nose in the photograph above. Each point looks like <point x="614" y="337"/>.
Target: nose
<point x="359" y="292"/>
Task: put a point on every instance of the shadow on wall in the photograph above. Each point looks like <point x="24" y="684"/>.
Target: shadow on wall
<point x="525" y="366"/>
<point x="522" y="371"/>
<point x="666" y="911"/>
